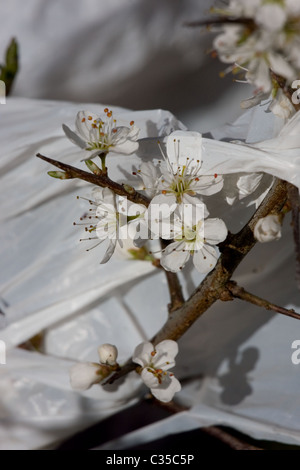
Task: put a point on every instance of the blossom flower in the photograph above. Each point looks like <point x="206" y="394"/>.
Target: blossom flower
<point x="182" y="177"/>
<point x="97" y="136"/>
<point x="268" y="228"/>
<point x="104" y="220"/>
<point x="198" y="238"/>
<point x="155" y="363"/>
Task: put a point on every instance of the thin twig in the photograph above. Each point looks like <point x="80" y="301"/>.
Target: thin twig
<point x="175" y="289"/>
<point x="294" y="200"/>
<point x="177" y="299"/>
<point x="213" y="431"/>
<point x="99" y="180"/>
<point x="221" y="20"/>
<point x="241" y="293"/>
<point x="231" y="441"/>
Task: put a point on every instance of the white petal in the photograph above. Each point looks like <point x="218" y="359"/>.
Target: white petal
<point x="160" y="215"/>
<point x="109" y="197"/>
<point x="83" y="125"/>
<point x="148" y="173"/>
<point x="132" y="209"/>
<point x="74" y="138"/>
<point x="90" y="154"/>
<point x="272" y="17"/>
<point x="142" y="353"/>
<point x="259" y="74"/>
<point x="280" y="66"/>
<point x="293" y="6"/>
<point x="192" y="214"/>
<point x="190" y="146"/>
<point x="166" y="394"/>
<point x="205" y="259"/>
<point x="162" y="206"/>
<point x="215" y="231"/>
<point x="109" y="252"/>
<point x="208" y="185"/>
<point x="194" y="200"/>
<point x="173" y="259"/>
<point x="149" y="378"/>
<point x="97" y="195"/>
<point x="133" y="132"/>
<point x="127" y="148"/>
<point x="165" y="353"/>
<point x="120" y="134"/>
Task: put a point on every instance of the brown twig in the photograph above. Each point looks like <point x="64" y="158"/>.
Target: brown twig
<point x="177" y="299"/>
<point x="294" y="200"/>
<point x="220" y="21"/>
<point x="232" y="442"/>
<point x="174" y="286"/>
<point x="213" y="431"/>
<point x="240" y="293"/>
<point x="99" y="180"/>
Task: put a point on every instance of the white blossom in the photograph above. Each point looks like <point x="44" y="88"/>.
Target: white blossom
<point x="268" y="228"/>
<point x="97" y="136"/>
<point x="104" y="220"/>
<point x="156" y="362"/>
<point x="108" y="354"/>
<point x="197" y="238"/>
<point x="181" y="181"/>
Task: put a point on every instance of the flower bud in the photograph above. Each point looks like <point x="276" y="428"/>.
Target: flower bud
<point x="62" y="175"/>
<point x="93" y="167"/>
<point x="108" y="354"/>
<point x="268" y="228"/>
<point x="85" y="374"/>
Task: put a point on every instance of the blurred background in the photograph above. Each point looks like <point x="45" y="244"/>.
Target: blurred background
<point x="131" y="53"/>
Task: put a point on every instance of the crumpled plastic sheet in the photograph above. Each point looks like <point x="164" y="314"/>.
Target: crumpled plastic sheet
<point x="50" y="283"/>
<point x="236" y="358"/>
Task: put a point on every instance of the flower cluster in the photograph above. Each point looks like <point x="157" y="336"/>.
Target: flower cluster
<point x="176" y="212"/>
<point x="154" y="363"/>
<point x="261" y="37"/>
